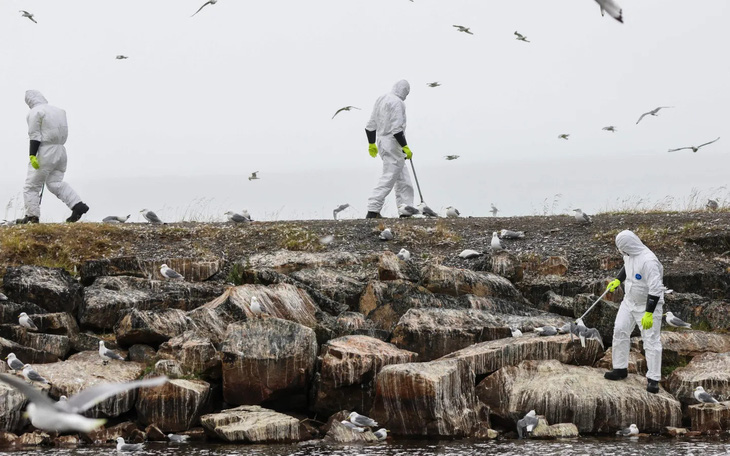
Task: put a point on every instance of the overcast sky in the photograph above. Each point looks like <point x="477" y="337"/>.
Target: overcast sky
<point x="252" y="85"/>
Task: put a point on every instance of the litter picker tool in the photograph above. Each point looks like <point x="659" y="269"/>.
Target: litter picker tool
<point x="593" y="305"/>
<point x="416" y="179"/>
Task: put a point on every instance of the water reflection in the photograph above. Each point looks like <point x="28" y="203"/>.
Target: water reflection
<point x="607" y="447"/>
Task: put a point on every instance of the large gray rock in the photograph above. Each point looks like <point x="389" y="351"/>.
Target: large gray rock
<point x="708" y="370"/>
<point x="12" y="405"/>
<point x="9" y="311"/>
<point x="456" y="282"/>
<point x="266" y="359"/>
<point x="434" y="399"/>
<point x="196" y="354"/>
<point x="488" y="357"/>
<point x="54" y="346"/>
<point x="339" y="433"/>
<point x="390" y="267"/>
<point x="150" y="327"/>
<point x="338" y="287"/>
<point x="679" y="347"/>
<point x="348" y="367"/>
<point x="384" y="303"/>
<point x="578" y="395"/>
<point x="193" y="270"/>
<point x="106" y="300"/>
<point x="282" y="301"/>
<point x="175" y="406"/>
<point x="84" y="370"/>
<point x="710" y="418"/>
<point x="253" y="424"/>
<point x="637" y="362"/>
<point x="700" y="311"/>
<point x="503" y="264"/>
<point x="544" y="431"/>
<point x="433" y="333"/>
<point x="51" y="288"/>
<point x="26" y="354"/>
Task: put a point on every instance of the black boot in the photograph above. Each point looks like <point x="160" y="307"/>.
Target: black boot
<point x="372" y="214"/>
<point x="616" y="374"/>
<point x="27" y="219"/>
<point x="78" y="210"/>
<point x="652" y="386"/>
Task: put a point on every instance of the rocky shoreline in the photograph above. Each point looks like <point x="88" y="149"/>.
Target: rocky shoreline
<point x="423" y="346"/>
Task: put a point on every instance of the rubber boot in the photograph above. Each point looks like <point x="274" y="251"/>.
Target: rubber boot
<point x="616" y="374"/>
<point x="27" y="219"/>
<point x="77" y="211"/>
<point x="372" y="214"/>
<point x="652" y="386"/>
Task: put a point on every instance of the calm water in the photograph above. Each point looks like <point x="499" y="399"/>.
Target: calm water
<point x="617" y="447"/>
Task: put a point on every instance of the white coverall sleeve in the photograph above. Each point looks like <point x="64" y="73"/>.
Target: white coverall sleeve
<point x="399" y="118"/>
<point x="654" y="278"/>
<point x="35" y="121"/>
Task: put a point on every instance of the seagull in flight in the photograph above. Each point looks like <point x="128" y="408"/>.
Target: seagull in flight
<point x="494" y="210"/>
<point x="610" y="128"/>
<point x="521" y="37"/>
<point x="695" y="149"/>
<point x="65" y="416"/>
<point x="346" y="108"/>
<point x="461" y="28"/>
<point x="28" y="15"/>
<point x="209" y="2"/>
<point x="564" y="136"/>
<point x="122" y="57"/>
<point x="451" y="157"/>
<point x="254" y="176"/>
<point x="612" y="8"/>
<point x="339" y="209"/>
<point x="653" y="112"/>
<point x="433" y="84"/>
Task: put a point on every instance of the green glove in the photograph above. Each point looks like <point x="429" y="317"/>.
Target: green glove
<point x="407" y="151"/>
<point x="373" y="150"/>
<point x="647" y="321"/>
<point x="34" y="162"/>
<point x="612" y="285"/>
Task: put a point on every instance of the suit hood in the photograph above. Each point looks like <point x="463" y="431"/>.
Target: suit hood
<point x="401" y="89"/>
<point x="630" y="244"/>
<point x="34" y="98"/>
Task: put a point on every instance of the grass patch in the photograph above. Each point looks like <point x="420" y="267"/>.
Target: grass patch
<point x="438" y="235"/>
<point x="299" y="239"/>
<point x="59" y="245"/>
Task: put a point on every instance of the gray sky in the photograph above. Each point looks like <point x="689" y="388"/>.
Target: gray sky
<point x="252" y="85"/>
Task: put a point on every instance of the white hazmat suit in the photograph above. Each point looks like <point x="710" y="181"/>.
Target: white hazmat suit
<point x="388" y="119"/>
<point x="644" y="277"/>
<point x="48" y="125"/>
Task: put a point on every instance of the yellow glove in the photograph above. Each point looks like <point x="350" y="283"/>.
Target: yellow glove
<point x="612" y="285"/>
<point x="34" y="162"/>
<point x="407" y="151"/>
<point x="647" y="321"/>
<point x="373" y="150"/>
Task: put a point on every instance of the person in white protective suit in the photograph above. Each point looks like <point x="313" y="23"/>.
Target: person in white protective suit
<point x="386" y="135"/>
<point x="48" y="131"/>
<point x="643" y="301"/>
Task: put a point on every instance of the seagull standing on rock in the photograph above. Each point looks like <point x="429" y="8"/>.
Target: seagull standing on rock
<point x="3" y="297"/>
<point x="581" y="218"/>
<point x="361" y="420"/>
<point x="116" y="219"/>
<point x="355" y="428"/>
<point x="121" y="446"/>
<point x="178" y="438"/>
<point x="404" y="255"/>
<point x="527" y="424"/>
<point x="33" y="376"/>
<point x="406" y="211"/>
<point x="236" y="218"/>
<point x="107" y="355"/>
<point x="629" y="431"/>
<point x="703" y="396"/>
<point x="452" y="212"/>
<point x="150" y="216"/>
<point x="468" y="254"/>
<point x="386" y="235"/>
<point x="495" y="245"/>
<point x="14" y="363"/>
<point x="170" y="274"/>
<point x="676" y="322"/>
<point x="26" y="322"/>
<point x="516" y="332"/>
<point x="381" y="434"/>
<point x="256" y="307"/>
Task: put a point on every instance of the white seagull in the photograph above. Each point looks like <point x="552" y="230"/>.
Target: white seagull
<point x="381" y="434"/>
<point x="254" y="175"/>
<point x="170" y="274"/>
<point x="361" y="420"/>
<point x="28" y="15"/>
<point x="589" y="333"/>
<point x="461" y="28"/>
<point x="693" y="148"/>
<point x="209" y="2"/>
<point x="404" y="255"/>
<point x="581" y="218"/>
<point x="516" y="332"/>
<point x="236" y="218"/>
<point x="452" y="212"/>
<point x="33" y="376"/>
<point x="346" y="108"/>
<point x="703" y="396"/>
<point x="14" y="363"/>
<point x="256" y="307"/>
<point x="178" y="438"/>
<point x="653" y="112"/>
<point x="115" y="219"/>
<point x="676" y="322"/>
<point x="547" y="331"/>
<point x="386" y="235"/>
<point x="495" y="245"/>
<point x="527" y="424"/>
<point x="107" y="354"/>
<point x="26" y="322"/>
<point x="121" y="446"/>
<point x="339" y="209"/>
<point x="629" y="431"/>
<point x="64" y="416"/>
<point x="712" y="205"/>
<point x="352" y="426"/>
<point x="509" y="234"/>
<point x="494" y="210"/>
<point x="468" y="254"/>
<point x="427" y="211"/>
<point x="150" y="216"/>
<point x="612" y="8"/>
<point x="405" y="210"/>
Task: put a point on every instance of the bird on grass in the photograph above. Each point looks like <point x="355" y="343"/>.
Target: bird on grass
<point x="629" y="431"/>
<point x="612" y="8"/>
<point x="386" y="235"/>
<point x="676" y="322"/>
<point x="712" y="205"/>
<point x="463" y="29"/>
<point x="346" y="108"/>
<point x="150" y="216"/>
<point x="108" y="355"/>
<point x="28" y="15"/>
<point x="209" y="2"/>
<point x="703" y="396"/>
<point x="427" y="211"/>
<point x="254" y="176"/>
<point x="693" y="148"/>
<point x="509" y="234"/>
<point x="521" y="37"/>
<point x="654" y="112"/>
<point x="26" y="322"/>
<point x="64" y="416"/>
<point x="169" y="273"/>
